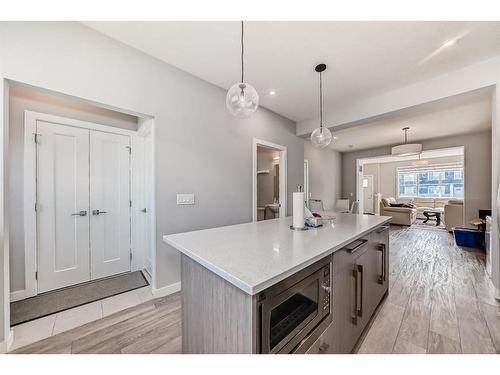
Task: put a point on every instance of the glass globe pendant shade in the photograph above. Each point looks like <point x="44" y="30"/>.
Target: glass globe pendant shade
<point x="321" y="137"/>
<point x="242" y="100"/>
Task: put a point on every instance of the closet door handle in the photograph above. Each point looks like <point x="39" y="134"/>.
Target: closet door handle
<point x="360" y="308"/>
<point x="354" y="317"/>
<point x="80" y="213"/>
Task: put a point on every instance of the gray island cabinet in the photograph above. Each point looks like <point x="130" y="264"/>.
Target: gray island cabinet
<point x="263" y="288"/>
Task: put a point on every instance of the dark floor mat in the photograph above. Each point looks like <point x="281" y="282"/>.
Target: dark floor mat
<point x="67" y="298"/>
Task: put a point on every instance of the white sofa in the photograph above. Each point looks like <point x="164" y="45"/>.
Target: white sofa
<point x="400" y="215"/>
<point x="428" y="203"/>
<point x="454" y="213"/>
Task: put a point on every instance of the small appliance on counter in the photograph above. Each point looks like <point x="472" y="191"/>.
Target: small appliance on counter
<point x="315" y="219"/>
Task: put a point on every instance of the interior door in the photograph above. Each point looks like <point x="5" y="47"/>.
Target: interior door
<point x="62" y="205"/>
<point x="109" y="204"/>
<point x="368" y="194"/>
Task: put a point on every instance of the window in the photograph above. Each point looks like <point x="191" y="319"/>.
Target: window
<point x="437" y="181"/>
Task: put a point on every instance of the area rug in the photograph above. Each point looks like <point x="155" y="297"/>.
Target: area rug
<point x="431" y="224"/>
<point x="63" y="299"/>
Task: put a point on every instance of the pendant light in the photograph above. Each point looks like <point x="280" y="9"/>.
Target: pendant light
<point x="321" y="137"/>
<point x="407" y="149"/>
<point x="420" y="162"/>
<point x="242" y="100"/>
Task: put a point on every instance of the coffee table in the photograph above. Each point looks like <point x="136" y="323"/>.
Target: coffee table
<point x="434" y="213"/>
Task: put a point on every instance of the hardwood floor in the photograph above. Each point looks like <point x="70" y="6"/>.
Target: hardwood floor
<point x="152" y="327"/>
<point x="440" y="301"/>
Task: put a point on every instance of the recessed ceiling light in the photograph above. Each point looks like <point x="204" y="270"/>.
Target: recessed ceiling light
<point x="272" y="92"/>
<point x="350" y="146"/>
<point x="449" y="43"/>
<point x="335" y="137"/>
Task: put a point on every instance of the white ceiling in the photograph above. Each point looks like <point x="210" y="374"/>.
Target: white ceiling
<point x="363" y="58"/>
<point x="461" y="114"/>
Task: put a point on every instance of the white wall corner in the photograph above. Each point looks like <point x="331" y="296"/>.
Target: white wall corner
<point x="166" y="290"/>
<point x="6" y="345"/>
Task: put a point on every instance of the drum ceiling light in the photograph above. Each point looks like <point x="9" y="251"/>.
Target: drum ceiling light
<point x="407" y="149"/>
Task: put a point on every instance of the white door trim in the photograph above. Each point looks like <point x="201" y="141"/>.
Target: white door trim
<point x="283" y="174"/>
<point x="306" y="182"/>
<point x="359" y="186"/>
<point x="30" y="230"/>
<point x="372" y="191"/>
<point x="148" y="126"/>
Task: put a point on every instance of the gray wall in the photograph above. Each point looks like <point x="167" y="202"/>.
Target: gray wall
<point x="477" y="164"/>
<point x="324" y="174"/>
<point x="22" y="99"/>
<point x="265" y="181"/>
<point x="200" y="147"/>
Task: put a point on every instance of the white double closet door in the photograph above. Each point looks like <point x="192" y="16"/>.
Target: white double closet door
<point x="83" y="205"/>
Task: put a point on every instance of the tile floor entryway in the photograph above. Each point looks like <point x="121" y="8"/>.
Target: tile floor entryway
<point x="39" y="329"/>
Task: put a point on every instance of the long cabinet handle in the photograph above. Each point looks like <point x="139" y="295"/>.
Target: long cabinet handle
<point x="352" y="247"/>
<point x="360" y="307"/>
<point x="381" y="229"/>
<point x="354" y="317"/>
<point x="383" y="275"/>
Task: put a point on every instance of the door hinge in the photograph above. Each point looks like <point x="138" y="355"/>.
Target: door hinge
<point x="131" y="255"/>
<point x="36" y="275"/>
<point x="35" y="138"/>
<point x="129" y="149"/>
<point x="36" y="208"/>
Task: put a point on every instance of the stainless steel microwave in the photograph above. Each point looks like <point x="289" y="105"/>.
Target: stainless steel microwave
<point x="296" y="310"/>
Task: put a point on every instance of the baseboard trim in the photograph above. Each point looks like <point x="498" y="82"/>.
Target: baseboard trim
<point x="497" y="293"/>
<point x="17" y="295"/>
<point x="5" y="345"/>
<point x="166" y="290"/>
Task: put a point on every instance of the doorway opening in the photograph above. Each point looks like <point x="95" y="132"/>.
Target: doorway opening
<point x="269" y="180"/>
<point x="428" y="182"/>
<point x="86" y="194"/>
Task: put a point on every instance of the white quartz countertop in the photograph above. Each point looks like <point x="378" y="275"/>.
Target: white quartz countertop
<point x="256" y="255"/>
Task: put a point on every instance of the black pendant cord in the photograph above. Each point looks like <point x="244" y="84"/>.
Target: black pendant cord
<point x="242" y="67"/>
<point x="320" y="102"/>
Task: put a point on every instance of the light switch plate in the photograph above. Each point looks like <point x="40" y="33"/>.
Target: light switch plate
<point x="183" y="199"/>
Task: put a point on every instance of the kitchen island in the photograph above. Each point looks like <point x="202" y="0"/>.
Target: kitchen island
<point x="263" y="288"/>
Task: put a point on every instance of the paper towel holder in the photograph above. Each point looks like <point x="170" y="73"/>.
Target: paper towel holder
<point x="300" y="189"/>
